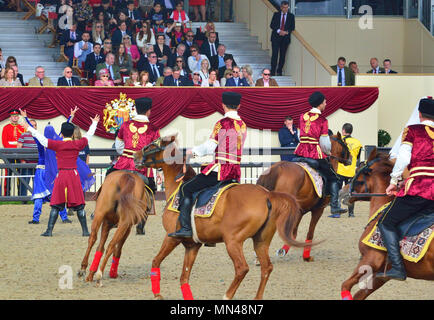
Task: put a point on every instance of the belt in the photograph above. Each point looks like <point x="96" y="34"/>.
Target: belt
<point x="308" y="140"/>
<point x="40" y="166"/>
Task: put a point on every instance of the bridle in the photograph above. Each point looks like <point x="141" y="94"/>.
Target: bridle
<point x="345" y="153"/>
<point x="364" y="170"/>
<point x="158" y="148"/>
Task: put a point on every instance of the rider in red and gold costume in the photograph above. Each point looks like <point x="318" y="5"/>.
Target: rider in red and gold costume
<point x="315" y="145"/>
<point x="417" y="195"/>
<point x="226" y="144"/>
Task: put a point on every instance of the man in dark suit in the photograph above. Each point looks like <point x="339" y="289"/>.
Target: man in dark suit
<point x="282" y="24"/>
<point x="229" y="64"/>
<point x="93" y="59"/>
<point x="387" y="64"/>
<point x="152" y="66"/>
<point x="175" y="80"/>
<point x="375" y="67"/>
<point x="236" y="81"/>
<point x="68" y="39"/>
<point x="179" y="52"/>
<point x="119" y="34"/>
<point x="345" y="75"/>
<point x="189" y="41"/>
<point x="209" y="47"/>
<point x="133" y="15"/>
<point x="68" y="80"/>
<point x="218" y="61"/>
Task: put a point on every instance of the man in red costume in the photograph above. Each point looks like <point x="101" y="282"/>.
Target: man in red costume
<point x="315" y="144"/>
<point x="133" y="136"/>
<point x="67" y="188"/>
<point x="10" y="134"/>
<point x="417" y="195"/>
<point x="226" y="144"/>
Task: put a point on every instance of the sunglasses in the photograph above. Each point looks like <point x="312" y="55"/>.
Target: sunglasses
<point x="68" y="71"/>
<point x="194" y="50"/>
<point x="104" y="75"/>
<point x="266" y="74"/>
<point x="99" y="27"/>
<point x="178" y="60"/>
<point x="107" y="42"/>
<point x="235" y="72"/>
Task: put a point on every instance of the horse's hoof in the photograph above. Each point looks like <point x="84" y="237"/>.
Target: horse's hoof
<point x="281" y="252"/>
<point x="308" y="259"/>
<point x="256" y="262"/>
<point x="158" y="297"/>
<point x="81" y="273"/>
<point x="98" y="284"/>
<point x="89" y="278"/>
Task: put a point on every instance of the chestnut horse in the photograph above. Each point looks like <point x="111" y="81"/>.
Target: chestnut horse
<point x="290" y="178"/>
<point x="236" y="217"/>
<point x="122" y="201"/>
<point x="373" y="178"/>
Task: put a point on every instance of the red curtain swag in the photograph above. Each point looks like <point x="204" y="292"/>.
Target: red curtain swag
<point x="261" y="108"/>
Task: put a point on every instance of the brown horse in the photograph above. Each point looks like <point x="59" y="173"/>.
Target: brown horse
<point x="122" y="201"/>
<point x="373" y="178"/>
<point x="290" y="178"/>
<point x="235" y="218"/>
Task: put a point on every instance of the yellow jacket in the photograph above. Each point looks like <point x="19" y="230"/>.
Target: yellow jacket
<point x="354" y="146"/>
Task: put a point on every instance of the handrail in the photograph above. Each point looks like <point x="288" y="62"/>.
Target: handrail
<point x="304" y="43"/>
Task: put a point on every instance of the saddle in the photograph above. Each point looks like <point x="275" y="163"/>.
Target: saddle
<point x="415" y="225"/>
<point x="204" y="196"/>
<point x="315" y="166"/>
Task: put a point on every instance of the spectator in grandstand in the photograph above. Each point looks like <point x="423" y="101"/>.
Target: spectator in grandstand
<point x="176" y="34"/>
<point x="204" y="70"/>
<point x="145" y="36"/>
<point x="375" y="67"/>
<point x="156" y="16"/>
<point x="195" y="60"/>
<point x="218" y="61"/>
<point x="212" y="80"/>
<point x="123" y="60"/>
<point x="26" y="141"/>
<point x="144" y="79"/>
<point x="146" y="7"/>
<point x="387" y="64"/>
<point x="92" y="60"/>
<point x="133" y="14"/>
<point x="68" y="40"/>
<point x="103" y="79"/>
<point x="167" y="5"/>
<point x="180" y="63"/>
<point x="10" y="61"/>
<point x="98" y="32"/>
<point x="82" y="49"/>
<point x="209" y="46"/>
<point x="108" y="11"/>
<point x="107" y="47"/>
<point x="203" y="34"/>
<point x="229" y="64"/>
<point x="2" y="62"/>
<point x="226" y="75"/>
<point x="40" y="79"/>
<point x="167" y="72"/>
<point x="345" y="75"/>
<point x="179" y="52"/>
<point x="196" y="80"/>
<point x="288" y="137"/>
<point x="68" y="80"/>
<point x="247" y="73"/>
<point x="189" y="41"/>
<point x="83" y="13"/>
<point x="120" y="5"/>
<point x="113" y="69"/>
<point x="282" y="24"/>
<point x="131" y="49"/>
<point x="236" y="80"/>
<point x="133" y="80"/>
<point x="266" y="80"/>
<point x="175" y="80"/>
<point x="18" y="75"/>
<point x="119" y="34"/>
<point x="10" y="79"/>
<point x="198" y="4"/>
<point x="162" y="50"/>
<point x="353" y="67"/>
<point x="151" y="65"/>
<point x="179" y="14"/>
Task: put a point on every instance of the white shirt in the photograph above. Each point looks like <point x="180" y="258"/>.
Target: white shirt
<point x="194" y="65"/>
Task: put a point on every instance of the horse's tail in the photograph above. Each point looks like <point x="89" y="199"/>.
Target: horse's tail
<point x="286" y="211"/>
<point x="96" y="195"/>
<point x="130" y="209"/>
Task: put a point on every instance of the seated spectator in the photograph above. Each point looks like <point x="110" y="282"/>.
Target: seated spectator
<point x="203" y="34"/>
<point x="133" y="14"/>
<point x="157" y="18"/>
<point x="133" y="80"/>
<point x="18" y="75"/>
<point x="92" y="60"/>
<point x="353" y="67"/>
<point x="375" y="67"/>
<point x="167" y="71"/>
<point x="179" y="15"/>
<point x="189" y="41"/>
<point x="144" y="79"/>
<point x="212" y="80"/>
<point x="288" y="137"/>
<point x="195" y="60"/>
<point x="68" y="80"/>
<point x="107" y="47"/>
<point x="103" y="79"/>
<point x="131" y="49"/>
<point x="83" y="14"/>
<point x="120" y="5"/>
<point x="123" y="60"/>
<point x="218" y="61"/>
<point x="175" y="80"/>
<point x="209" y="47"/>
<point x="9" y="79"/>
<point x="68" y="40"/>
<point x="266" y="80"/>
<point x="40" y="80"/>
<point x="145" y="36"/>
<point x="119" y="34"/>
<point x="107" y="10"/>
<point x="82" y="49"/>
<point x="196" y="80"/>
<point x="345" y="75"/>
<point x="229" y="64"/>
<point x="227" y="75"/>
<point x="176" y="34"/>
<point x="387" y="64"/>
<point x="146" y="7"/>
<point x="179" y="52"/>
<point x="236" y="80"/>
<point x="151" y="65"/>
<point x="113" y="69"/>
<point x="2" y="63"/>
<point x="204" y="70"/>
<point x="247" y="73"/>
<point x="162" y="50"/>
<point x="167" y="5"/>
<point x="98" y="32"/>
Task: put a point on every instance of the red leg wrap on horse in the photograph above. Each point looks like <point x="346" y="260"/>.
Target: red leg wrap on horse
<point x="286" y="248"/>
<point x="346" y="295"/>
<point x="155" y="280"/>
<point x="114" y="268"/>
<point x="306" y="251"/>
<point x="186" y="292"/>
<point x="96" y="260"/>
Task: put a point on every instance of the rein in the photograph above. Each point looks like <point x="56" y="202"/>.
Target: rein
<point x="345" y="151"/>
<point x="364" y="170"/>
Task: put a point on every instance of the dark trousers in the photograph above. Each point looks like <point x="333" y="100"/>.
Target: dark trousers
<point x="279" y="48"/>
<point x="403" y="208"/>
<point x="198" y="183"/>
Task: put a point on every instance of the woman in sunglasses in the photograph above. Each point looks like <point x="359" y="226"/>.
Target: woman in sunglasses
<point x="104" y="79"/>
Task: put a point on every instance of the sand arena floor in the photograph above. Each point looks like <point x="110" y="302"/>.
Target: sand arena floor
<point x="29" y="263"/>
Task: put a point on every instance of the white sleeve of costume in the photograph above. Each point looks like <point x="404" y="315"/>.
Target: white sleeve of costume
<point x="119" y="145"/>
<point x="325" y="144"/>
<point x="42" y="139"/>
<point x="91" y="131"/>
<point x="206" y="148"/>
<point x="402" y="161"/>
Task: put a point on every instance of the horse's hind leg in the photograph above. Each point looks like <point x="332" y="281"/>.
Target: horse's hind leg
<point x="235" y="251"/>
<point x="191" y="251"/>
<point x="362" y="294"/>
<point x="261" y="248"/>
<point x="285" y="248"/>
<point x="117" y="255"/>
<point x="106" y="226"/>
<point x="316" y="215"/>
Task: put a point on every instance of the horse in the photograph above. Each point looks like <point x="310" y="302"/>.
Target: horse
<point x="290" y="178"/>
<point x="235" y="219"/>
<point x="370" y="183"/>
<point x="122" y="201"/>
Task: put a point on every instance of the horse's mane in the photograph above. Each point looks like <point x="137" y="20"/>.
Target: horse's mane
<point x="385" y="165"/>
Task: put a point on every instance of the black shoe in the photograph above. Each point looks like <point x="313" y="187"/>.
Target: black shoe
<point x="391" y="242"/>
<point x="211" y="245"/>
<point x="184" y="219"/>
<point x="66" y="221"/>
<point x="81" y="215"/>
<point x="33" y="222"/>
<point x="334" y="199"/>
<point x="351" y="215"/>
<point x="54" y="213"/>
<point x="338" y="210"/>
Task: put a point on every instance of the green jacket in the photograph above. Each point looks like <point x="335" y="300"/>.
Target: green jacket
<point x="350" y="78"/>
<point x="116" y="73"/>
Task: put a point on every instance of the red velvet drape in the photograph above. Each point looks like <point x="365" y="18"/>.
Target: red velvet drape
<point x="261" y="108"/>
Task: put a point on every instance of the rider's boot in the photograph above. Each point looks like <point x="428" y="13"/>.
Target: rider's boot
<point x="184" y="219"/>
<point x="51" y="222"/>
<point x="334" y="200"/>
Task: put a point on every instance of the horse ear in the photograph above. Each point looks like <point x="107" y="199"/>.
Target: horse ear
<point x="373" y="154"/>
<point x="339" y="135"/>
<point x="173" y="138"/>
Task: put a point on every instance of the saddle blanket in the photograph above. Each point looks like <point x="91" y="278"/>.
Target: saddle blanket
<point x="413" y="248"/>
<point x="314" y="176"/>
<point x="203" y="211"/>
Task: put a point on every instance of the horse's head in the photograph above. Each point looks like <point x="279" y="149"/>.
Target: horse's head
<point x="160" y="151"/>
<point x="340" y="151"/>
